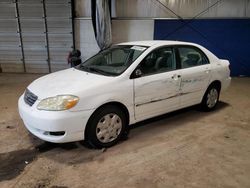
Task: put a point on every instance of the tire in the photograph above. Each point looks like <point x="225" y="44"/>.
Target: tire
<point x="106" y="127"/>
<point x="210" y="98"/>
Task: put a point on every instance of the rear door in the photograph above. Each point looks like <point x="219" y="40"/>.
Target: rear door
<point x="156" y="91"/>
<point x="195" y="74"/>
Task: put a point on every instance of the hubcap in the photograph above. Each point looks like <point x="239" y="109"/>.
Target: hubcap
<point x="212" y="98"/>
<point x="108" y="128"/>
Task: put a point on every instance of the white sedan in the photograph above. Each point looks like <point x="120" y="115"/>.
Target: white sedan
<point x="127" y="83"/>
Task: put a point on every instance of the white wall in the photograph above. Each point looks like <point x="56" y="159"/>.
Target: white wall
<point x="184" y="8"/>
<point x="122" y="31"/>
<point x="85" y="38"/>
<point x="83" y="8"/>
<point x="132" y="30"/>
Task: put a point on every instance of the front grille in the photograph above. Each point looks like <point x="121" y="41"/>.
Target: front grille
<point x="29" y="97"/>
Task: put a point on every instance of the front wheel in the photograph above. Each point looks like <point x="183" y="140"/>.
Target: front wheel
<point x="210" y="98"/>
<point x="106" y="127"/>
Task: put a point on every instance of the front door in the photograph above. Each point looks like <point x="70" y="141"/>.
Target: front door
<point x="157" y="90"/>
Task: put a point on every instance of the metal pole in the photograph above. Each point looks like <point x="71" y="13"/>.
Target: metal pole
<point x="73" y="15"/>
<point x="46" y="33"/>
<point x="20" y="33"/>
<point x="110" y="10"/>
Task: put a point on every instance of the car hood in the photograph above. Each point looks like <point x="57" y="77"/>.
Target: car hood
<point x="70" y="81"/>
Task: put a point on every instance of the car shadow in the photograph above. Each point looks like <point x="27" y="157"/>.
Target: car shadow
<point x="190" y="113"/>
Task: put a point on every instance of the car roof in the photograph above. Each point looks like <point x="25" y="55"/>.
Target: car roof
<point x="150" y="43"/>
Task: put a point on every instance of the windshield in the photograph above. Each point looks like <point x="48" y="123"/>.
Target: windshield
<point x="112" y="61"/>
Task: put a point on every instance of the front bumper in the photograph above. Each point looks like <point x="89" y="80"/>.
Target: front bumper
<point x="44" y="124"/>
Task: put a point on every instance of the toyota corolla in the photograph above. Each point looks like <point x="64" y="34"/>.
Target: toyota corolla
<point x="97" y="100"/>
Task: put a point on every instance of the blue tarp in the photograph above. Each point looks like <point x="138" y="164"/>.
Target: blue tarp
<point x="226" y="38"/>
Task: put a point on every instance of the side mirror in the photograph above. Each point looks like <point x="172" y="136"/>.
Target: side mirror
<point x="136" y="74"/>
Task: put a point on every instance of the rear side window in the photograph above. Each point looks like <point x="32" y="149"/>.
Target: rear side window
<point x="190" y="57"/>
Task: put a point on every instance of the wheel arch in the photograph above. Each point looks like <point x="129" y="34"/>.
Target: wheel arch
<point x="216" y="83"/>
<point x="113" y="103"/>
<point x="203" y="104"/>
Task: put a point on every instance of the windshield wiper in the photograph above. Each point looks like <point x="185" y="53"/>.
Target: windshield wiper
<point x="92" y="69"/>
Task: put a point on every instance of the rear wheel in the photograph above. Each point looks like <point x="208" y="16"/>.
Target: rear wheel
<point x="210" y="98"/>
<point x="106" y="127"/>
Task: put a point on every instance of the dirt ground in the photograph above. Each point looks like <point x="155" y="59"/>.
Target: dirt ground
<point x="187" y="148"/>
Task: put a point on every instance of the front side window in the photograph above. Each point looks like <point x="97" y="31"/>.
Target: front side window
<point x="158" y="61"/>
<point x="112" y="61"/>
<point x="191" y="57"/>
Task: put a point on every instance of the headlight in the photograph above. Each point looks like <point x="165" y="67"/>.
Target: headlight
<point x="57" y="103"/>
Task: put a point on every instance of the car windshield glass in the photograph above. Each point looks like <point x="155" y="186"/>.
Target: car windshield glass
<point x="112" y="61"/>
